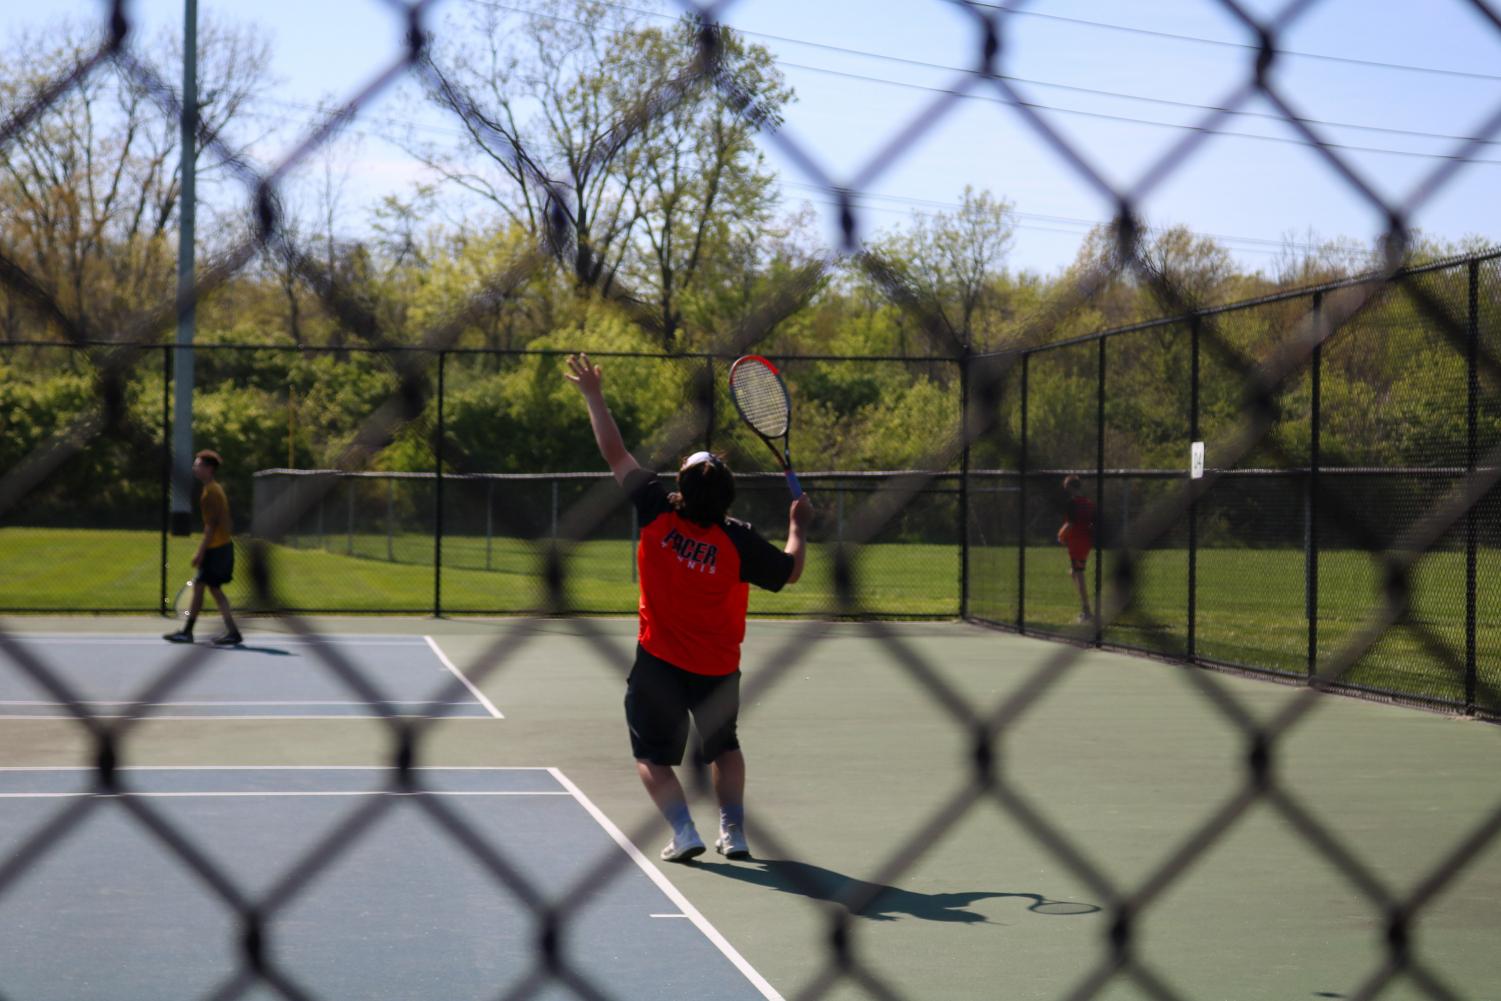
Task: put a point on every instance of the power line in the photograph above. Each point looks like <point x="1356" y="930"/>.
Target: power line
<point x="1127" y="119"/>
<point x="1200" y="40"/>
<point x="1022" y="218"/>
<point x="1025" y="220"/>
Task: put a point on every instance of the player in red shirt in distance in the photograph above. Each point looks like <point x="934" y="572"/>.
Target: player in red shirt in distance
<point x="1077" y="534"/>
<point x="696" y="566"/>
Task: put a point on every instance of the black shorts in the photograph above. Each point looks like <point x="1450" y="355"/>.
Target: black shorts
<point x="659" y="698"/>
<point x="217" y="566"/>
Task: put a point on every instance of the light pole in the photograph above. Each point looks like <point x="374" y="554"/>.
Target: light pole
<point x="182" y="413"/>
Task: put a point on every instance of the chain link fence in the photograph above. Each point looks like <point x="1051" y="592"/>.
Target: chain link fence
<point x="1283" y="556"/>
<point x="1390" y="575"/>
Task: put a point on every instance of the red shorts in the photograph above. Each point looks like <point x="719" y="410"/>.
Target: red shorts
<point x="1079" y="546"/>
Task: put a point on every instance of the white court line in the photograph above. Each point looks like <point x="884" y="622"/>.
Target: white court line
<point x="134" y="794"/>
<point x="259" y="717"/>
<point x="278" y="639"/>
<point x="393" y="641"/>
<point x="443" y="658"/>
<point x="277" y="768"/>
<point x="662" y="883"/>
<point x="665" y="885"/>
<point x="236" y="702"/>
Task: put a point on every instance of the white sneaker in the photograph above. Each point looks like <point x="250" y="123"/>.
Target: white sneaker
<point x="683" y="847"/>
<point x="731" y="843"/>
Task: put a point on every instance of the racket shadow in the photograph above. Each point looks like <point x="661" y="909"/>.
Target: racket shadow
<point x="880" y="902"/>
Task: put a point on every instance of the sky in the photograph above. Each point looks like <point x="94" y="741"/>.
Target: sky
<point x="1393" y="86"/>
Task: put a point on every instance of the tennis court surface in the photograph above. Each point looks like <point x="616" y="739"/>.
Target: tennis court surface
<point x="866" y="816"/>
<point x="281" y="676"/>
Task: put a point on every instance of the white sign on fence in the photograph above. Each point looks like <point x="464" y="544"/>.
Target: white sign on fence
<point x="1196" y="461"/>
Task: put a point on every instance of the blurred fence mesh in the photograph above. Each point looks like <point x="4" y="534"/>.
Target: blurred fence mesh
<point x="1305" y="550"/>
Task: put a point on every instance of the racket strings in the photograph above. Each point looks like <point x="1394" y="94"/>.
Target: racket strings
<point x="761" y="399"/>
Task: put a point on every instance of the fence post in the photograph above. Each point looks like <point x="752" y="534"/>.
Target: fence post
<point x="489" y="521"/>
<point x="438" y="498"/>
<point x="1191" y="647"/>
<point x="709" y="397"/>
<point x="964" y="375"/>
<point x="1311" y="536"/>
<point x="1472" y="392"/>
<point x="390" y="519"/>
<point x="1021" y="506"/>
<point x="166" y="469"/>
<point x="1099" y="496"/>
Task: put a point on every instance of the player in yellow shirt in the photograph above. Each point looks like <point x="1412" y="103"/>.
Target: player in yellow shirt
<point x="215" y="558"/>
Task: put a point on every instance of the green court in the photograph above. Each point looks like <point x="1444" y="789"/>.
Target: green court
<point x="862" y="787"/>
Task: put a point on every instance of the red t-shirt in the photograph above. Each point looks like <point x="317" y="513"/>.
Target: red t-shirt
<point x="1079" y="517"/>
<point x="695" y="581"/>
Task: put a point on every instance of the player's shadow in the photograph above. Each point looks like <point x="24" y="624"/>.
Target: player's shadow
<point x="876" y="901"/>
<point x="272" y="650"/>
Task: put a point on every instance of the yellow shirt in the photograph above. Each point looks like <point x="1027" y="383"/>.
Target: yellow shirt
<point x="216" y="523"/>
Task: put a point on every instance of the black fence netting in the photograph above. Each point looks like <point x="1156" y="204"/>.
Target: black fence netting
<point x="1346" y="541"/>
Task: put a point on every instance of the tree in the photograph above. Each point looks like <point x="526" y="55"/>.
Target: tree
<point x="638" y="140"/>
<point x="93" y="184"/>
<point x="947" y="266"/>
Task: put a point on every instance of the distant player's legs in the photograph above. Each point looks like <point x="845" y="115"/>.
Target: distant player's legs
<point x="184" y="633"/>
<point x="231" y="631"/>
<point x="195" y="604"/>
<point x="1077" y="572"/>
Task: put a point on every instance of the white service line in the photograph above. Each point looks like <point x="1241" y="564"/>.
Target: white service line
<point x="95" y="639"/>
<point x="673" y="893"/>
<point x="235" y="702"/>
<point x="443" y="658"/>
<point x="158" y="717"/>
<point x="308" y="794"/>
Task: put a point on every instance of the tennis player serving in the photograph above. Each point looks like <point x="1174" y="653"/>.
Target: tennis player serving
<point x="696" y="565"/>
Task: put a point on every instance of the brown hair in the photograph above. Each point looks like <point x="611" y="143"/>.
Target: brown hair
<point x="1071" y="483"/>
<point x="705" y="492"/>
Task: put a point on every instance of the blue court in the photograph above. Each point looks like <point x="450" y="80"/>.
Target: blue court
<point x="269" y="677"/>
<point x="403" y="911"/>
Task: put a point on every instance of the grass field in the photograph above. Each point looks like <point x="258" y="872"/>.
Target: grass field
<point x="1250" y="606"/>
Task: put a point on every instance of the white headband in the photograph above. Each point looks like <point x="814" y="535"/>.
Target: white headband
<point x="698" y="457"/>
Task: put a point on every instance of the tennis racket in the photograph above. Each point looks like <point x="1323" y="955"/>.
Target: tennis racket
<point x="762" y="399"/>
<point x="182" y="600"/>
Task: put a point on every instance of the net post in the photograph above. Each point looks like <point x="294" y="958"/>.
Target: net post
<point x="1021" y="505"/>
<point x="1311" y="537"/>
<point x="438" y="497"/>
<point x="1099" y="494"/>
<point x="489" y="523"/>
<point x="1191" y="642"/>
<point x="349" y="515"/>
<point x="1472" y="392"/>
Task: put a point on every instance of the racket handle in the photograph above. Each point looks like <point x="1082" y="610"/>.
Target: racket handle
<point x="793" y="484"/>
